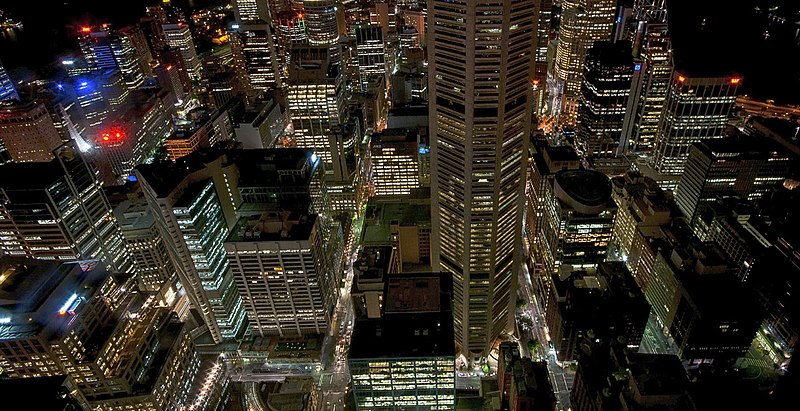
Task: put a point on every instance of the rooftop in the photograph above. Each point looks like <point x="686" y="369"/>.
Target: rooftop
<point x="381" y="213"/>
<point x="416" y="329"/>
<point x="273" y="226"/>
<point x="587" y="191"/>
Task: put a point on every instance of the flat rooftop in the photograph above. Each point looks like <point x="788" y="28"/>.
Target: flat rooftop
<point x="273" y="226"/>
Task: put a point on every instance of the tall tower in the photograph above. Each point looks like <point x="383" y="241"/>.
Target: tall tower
<point x="7" y="89"/>
<point x="582" y="23"/>
<point x="321" y="23"/>
<point x="604" y="93"/>
<point x="481" y="70"/>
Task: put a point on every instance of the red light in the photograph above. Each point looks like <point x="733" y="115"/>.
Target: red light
<point x="535" y="82"/>
<point x="105" y="137"/>
<point x="299" y="15"/>
<point x="736" y="80"/>
<point x="180" y="24"/>
<point x="681" y="79"/>
<point x="169" y="68"/>
<point x="86" y="29"/>
<point x="118" y="134"/>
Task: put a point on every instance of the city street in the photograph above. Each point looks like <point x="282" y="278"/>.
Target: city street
<point x="561" y="375"/>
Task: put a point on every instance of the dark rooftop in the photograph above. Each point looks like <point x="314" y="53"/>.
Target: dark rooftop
<point x="409" y="334"/>
<point x="273" y="226"/>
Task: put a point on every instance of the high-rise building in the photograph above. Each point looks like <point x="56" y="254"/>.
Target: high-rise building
<point x="69" y="319"/>
<point x="320" y="19"/>
<point x="523" y="383"/>
<point x="577" y="223"/>
<point x="607" y="74"/>
<point x="741" y="166"/>
<point x="193" y="220"/>
<point x="286" y="284"/>
<point x="58" y="211"/>
<point x="582" y="23"/>
<point x="137" y="38"/>
<point x="178" y="35"/>
<point x="406" y="359"/>
<point x="144" y="242"/>
<point x="370" y="49"/>
<point x="315" y="105"/>
<point x="27" y="132"/>
<point x="251" y="10"/>
<point x="255" y="56"/>
<point x="105" y="49"/>
<point x="641" y="205"/>
<point x="394" y="158"/>
<point x="7" y="89"/>
<point x="696" y="109"/>
<point x="605" y="303"/>
<point x="480" y="111"/>
<point x="653" y="67"/>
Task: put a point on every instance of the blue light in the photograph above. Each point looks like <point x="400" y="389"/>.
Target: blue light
<point x="60" y="86"/>
<point x="314" y="158"/>
<point x="132" y="178"/>
<point x="637" y="67"/>
<point x="84" y="83"/>
<point x="424" y="150"/>
<point x="619" y="19"/>
<point x="68" y="304"/>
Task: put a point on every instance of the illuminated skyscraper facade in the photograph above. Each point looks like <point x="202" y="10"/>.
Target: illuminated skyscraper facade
<point x="370" y="49"/>
<point x="27" y="132"/>
<point x="255" y="56"/>
<point x="58" y="211"/>
<point x="480" y="111"/>
<point x="696" y="109"/>
<point x="190" y="215"/>
<point x="7" y="89"/>
<point x="582" y="23"/>
<point x="315" y="104"/>
<point x="604" y="93"/>
<point x="178" y="35"/>
<point x="320" y="18"/>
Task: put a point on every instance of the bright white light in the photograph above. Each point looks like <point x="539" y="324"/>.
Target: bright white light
<point x="5" y="320"/>
<point x="68" y="304"/>
<point x="314" y="158"/>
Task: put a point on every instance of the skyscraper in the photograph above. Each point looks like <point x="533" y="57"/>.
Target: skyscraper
<point x="58" y="211"/>
<point x="192" y="219"/>
<point x="104" y="48"/>
<point x="370" y="49"/>
<point x="27" y="132"/>
<point x="7" y="89"/>
<point x="744" y="167"/>
<point x="320" y="18"/>
<point x="652" y="72"/>
<point x="315" y="104"/>
<point x="582" y="23"/>
<point x="696" y="109"/>
<point x="604" y="94"/>
<point x="178" y="35"/>
<point x="255" y="56"/>
<point x="480" y="110"/>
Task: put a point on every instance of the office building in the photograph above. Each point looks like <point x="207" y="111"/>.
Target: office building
<point x="406" y="358"/>
<point x="582" y="23"/>
<point x="145" y="244"/>
<point x="262" y="125"/>
<point x="255" y="57"/>
<point x="7" y="89"/>
<point x="577" y="223"/>
<point x="610" y="377"/>
<point x="605" y="303"/>
<point x="653" y="58"/>
<point x="251" y="10"/>
<point x="370" y="272"/>
<point x="27" y="132"/>
<point x="315" y="105"/>
<point x="203" y="128"/>
<point x="192" y="216"/>
<point x="607" y="73"/>
<point x="105" y="48"/>
<point x="320" y="21"/>
<point x="370" y="49"/>
<point x="523" y="383"/>
<point x="41" y="302"/>
<point x="478" y="186"/>
<point x="178" y="36"/>
<point x="741" y="166"/>
<point x="394" y="158"/>
<point x="403" y="222"/>
<point x="641" y="205"/>
<point x="696" y="109"/>
<point x="58" y="211"/>
<point x="278" y="262"/>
